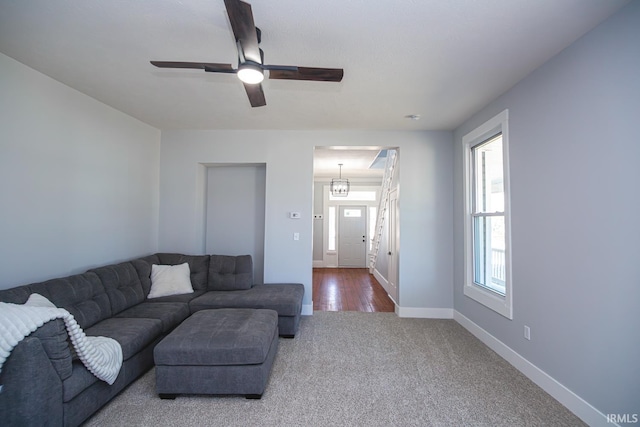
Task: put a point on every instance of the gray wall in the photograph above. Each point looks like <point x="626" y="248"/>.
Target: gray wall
<point x="235" y="213"/>
<point x="574" y="156"/>
<point x="78" y="180"/>
<point x="426" y="200"/>
<point x="318" y="224"/>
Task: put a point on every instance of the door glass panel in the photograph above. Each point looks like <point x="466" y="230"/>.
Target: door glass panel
<point x="352" y="213"/>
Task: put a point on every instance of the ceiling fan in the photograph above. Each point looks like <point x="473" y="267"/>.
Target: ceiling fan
<point x="251" y="64"/>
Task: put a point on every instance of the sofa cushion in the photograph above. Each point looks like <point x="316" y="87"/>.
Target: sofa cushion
<point x="198" y="265"/>
<point x="184" y="298"/>
<point x="170" y="280"/>
<point x="285" y="298"/>
<point x="132" y="334"/>
<point x="78" y="382"/>
<point x="143" y="267"/>
<point x="219" y="337"/>
<point x="122" y="284"/>
<point x="171" y="314"/>
<point x="230" y="273"/>
<point x="17" y="295"/>
<point x="82" y="295"/>
<point x="53" y="336"/>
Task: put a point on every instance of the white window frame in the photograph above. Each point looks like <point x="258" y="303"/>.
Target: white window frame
<point x="502" y="304"/>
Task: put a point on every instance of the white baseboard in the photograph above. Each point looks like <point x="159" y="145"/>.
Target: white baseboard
<point x="385" y="284"/>
<point x="581" y="408"/>
<point x="307" y="309"/>
<point x="318" y="263"/>
<point x="424" y="313"/>
<point x="380" y="278"/>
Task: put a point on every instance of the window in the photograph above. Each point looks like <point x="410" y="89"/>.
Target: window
<point x="487" y="212"/>
<point x="356" y="195"/>
<point x="487" y="231"/>
<point x="332" y="229"/>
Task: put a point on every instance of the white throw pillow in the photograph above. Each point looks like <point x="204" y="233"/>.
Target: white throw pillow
<point x="170" y="280"/>
<point x="37" y="300"/>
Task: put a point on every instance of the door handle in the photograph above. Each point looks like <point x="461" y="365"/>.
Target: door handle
<point x="389" y="252"/>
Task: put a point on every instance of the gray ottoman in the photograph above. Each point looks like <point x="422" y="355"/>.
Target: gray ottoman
<point x="220" y="351"/>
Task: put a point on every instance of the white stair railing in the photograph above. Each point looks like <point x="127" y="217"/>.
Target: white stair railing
<point x="387" y="181"/>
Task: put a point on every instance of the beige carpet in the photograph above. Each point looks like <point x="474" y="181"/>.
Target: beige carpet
<point x="362" y="369"/>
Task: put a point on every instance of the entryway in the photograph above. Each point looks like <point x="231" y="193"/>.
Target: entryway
<point x="355" y="232"/>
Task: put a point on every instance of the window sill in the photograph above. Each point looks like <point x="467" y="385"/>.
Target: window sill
<point x="494" y="301"/>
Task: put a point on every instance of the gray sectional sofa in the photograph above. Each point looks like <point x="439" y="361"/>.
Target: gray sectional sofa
<point x="44" y="384"/>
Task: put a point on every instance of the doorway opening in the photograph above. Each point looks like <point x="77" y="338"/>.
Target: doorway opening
<point x="345" y="235"/>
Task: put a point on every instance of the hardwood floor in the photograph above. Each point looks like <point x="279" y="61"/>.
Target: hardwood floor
<point x="348" y="289"/>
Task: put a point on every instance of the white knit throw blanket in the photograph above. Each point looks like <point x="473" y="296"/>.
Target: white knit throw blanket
<point x="101" y="355"/>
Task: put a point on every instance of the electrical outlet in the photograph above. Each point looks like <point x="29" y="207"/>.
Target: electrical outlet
<point x="527" y="332"/>
<point x="296" y="236"/>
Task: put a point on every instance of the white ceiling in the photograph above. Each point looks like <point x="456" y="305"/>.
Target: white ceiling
<point x="440" y="59"/>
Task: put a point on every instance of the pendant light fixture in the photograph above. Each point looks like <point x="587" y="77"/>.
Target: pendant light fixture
<point x="339" y="186"/>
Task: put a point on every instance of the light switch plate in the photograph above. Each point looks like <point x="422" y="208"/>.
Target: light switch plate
<point x="294" y="215"/>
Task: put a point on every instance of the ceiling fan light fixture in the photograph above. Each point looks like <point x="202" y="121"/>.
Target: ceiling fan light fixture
<point x="251" y="64"/>
<point x="250" y="73"/>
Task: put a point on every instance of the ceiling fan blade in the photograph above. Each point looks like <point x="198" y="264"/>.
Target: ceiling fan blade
<point x="306" y="73"/>
<point x="207" y="66"/>
<point x="255" y="94"/>
<point x="244" y="29"/>
<point x="219" y="68"/>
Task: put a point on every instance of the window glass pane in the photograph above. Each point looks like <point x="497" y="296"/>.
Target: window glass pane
<point x="352" y="213"/>
<point x="488" y="176"/>
<point x="331" y="244"/>
<point x="488" y="252"/>
<point x="357" y="195"/>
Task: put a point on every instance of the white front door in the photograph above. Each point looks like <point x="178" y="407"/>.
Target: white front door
<point x="352" y="236"/>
